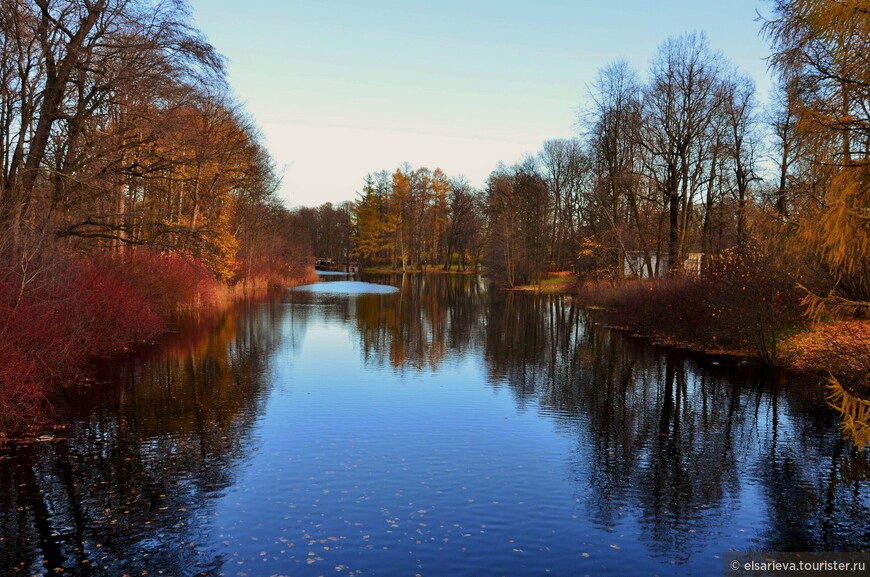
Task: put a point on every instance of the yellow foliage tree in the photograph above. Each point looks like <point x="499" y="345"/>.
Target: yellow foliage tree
<point x="395" y="221"/>
<point x="822" y="47"/>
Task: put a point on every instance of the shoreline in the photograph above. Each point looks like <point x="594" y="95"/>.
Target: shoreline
<point x="114" y="325"/>
<point x="428" y="269"/>
<point x="824" y="349"/>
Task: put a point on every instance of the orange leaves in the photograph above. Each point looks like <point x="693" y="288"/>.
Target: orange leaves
<point x="842" y="351"/>
<point x="840" y="348"/>
<point x="854" y="413"/>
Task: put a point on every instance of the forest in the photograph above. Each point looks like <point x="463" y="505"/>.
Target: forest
<point x="133" y="187"/>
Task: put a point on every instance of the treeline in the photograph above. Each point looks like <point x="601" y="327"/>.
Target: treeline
<point x="415" y="217"/>
<point x="676" y="172"/>
<point x="132" y="184"/>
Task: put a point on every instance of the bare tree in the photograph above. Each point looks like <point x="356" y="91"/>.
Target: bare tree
<point x="614" y="136"/>
<point x="739" y="110"/>
<point x="558" y="160"/>
<point x="679" y="105"/>
<point x="782" y="118"/>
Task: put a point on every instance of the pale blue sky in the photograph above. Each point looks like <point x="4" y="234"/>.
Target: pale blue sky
<point x="341" y="88"/>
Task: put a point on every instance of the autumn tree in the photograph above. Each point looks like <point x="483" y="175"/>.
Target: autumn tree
<point x="81" y="69"/>
<point x="366" y="217"/>
<point x="437" y="217"/>
<point x="396" y="223"/>
<point x="401" y="218"/>
<point x="518" y="203"/>
<point x="679" y="105"/>
<point x="419" y="203"/>
<point x="118" y="131"/>
<point x="823" y="47"/>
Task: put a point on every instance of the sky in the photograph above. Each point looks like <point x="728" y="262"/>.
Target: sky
<point x="342" y="88"/>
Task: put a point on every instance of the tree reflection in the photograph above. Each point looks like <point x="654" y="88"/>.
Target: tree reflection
<point x="130" y="486"/>
<point x="674" y="441"/>
<point x="666" y="432"/>
<point x="431" y="316"/>
<point x="815" y="482"/>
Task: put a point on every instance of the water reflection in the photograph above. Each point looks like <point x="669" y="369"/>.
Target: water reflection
<point x="672" y="436"/>
<point x="128" y="487"/>
<point x="671" y="458"/>
<point x="665" y="430"/>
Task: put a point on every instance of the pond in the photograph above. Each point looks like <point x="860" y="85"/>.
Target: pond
<point x="427" y="425"/>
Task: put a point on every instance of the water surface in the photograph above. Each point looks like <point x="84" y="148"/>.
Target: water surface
<point x="436" y="428"/>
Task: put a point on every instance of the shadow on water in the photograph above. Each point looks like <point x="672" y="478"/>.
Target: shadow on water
<point x="676" y="443"/>
<point x="127" y="487"/>
<point x="673" y="435"/>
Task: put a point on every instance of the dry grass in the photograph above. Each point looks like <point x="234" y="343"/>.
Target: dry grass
<point x="553" y="282"/>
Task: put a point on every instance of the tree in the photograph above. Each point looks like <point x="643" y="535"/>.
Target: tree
<point x="741" y="142"/>
<point x="823" y="47"/>
<point x="397" y="215"/>
<point x="560" y="160"/>
<point x="679" y="105"/>
<point x="782" y="120"/>
<point x="460" y="222"/>
<point x="82" y="70"/>
<point x="367" y="222"/>
<point x="615" y="143"/>
<point x="518" y="203"/>
<point x="67" y="36"/>
<point x="437" y="216"/>
<point x="822" y="51"/>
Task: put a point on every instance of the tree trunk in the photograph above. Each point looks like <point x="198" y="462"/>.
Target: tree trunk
<point x="57" y="77"/>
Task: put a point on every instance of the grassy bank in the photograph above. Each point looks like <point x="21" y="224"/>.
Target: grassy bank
<point x="553" y="282"/>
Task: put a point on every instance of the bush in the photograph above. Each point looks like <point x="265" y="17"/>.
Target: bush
<point x="756" y="298"/>
<point x="72" y="309"/>
<point x="169" y="283"/>
<point x="745" y="302"/>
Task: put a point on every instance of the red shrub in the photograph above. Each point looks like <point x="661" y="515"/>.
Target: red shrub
<point x="168" y="282"/>
<point x="72" y="309"/>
